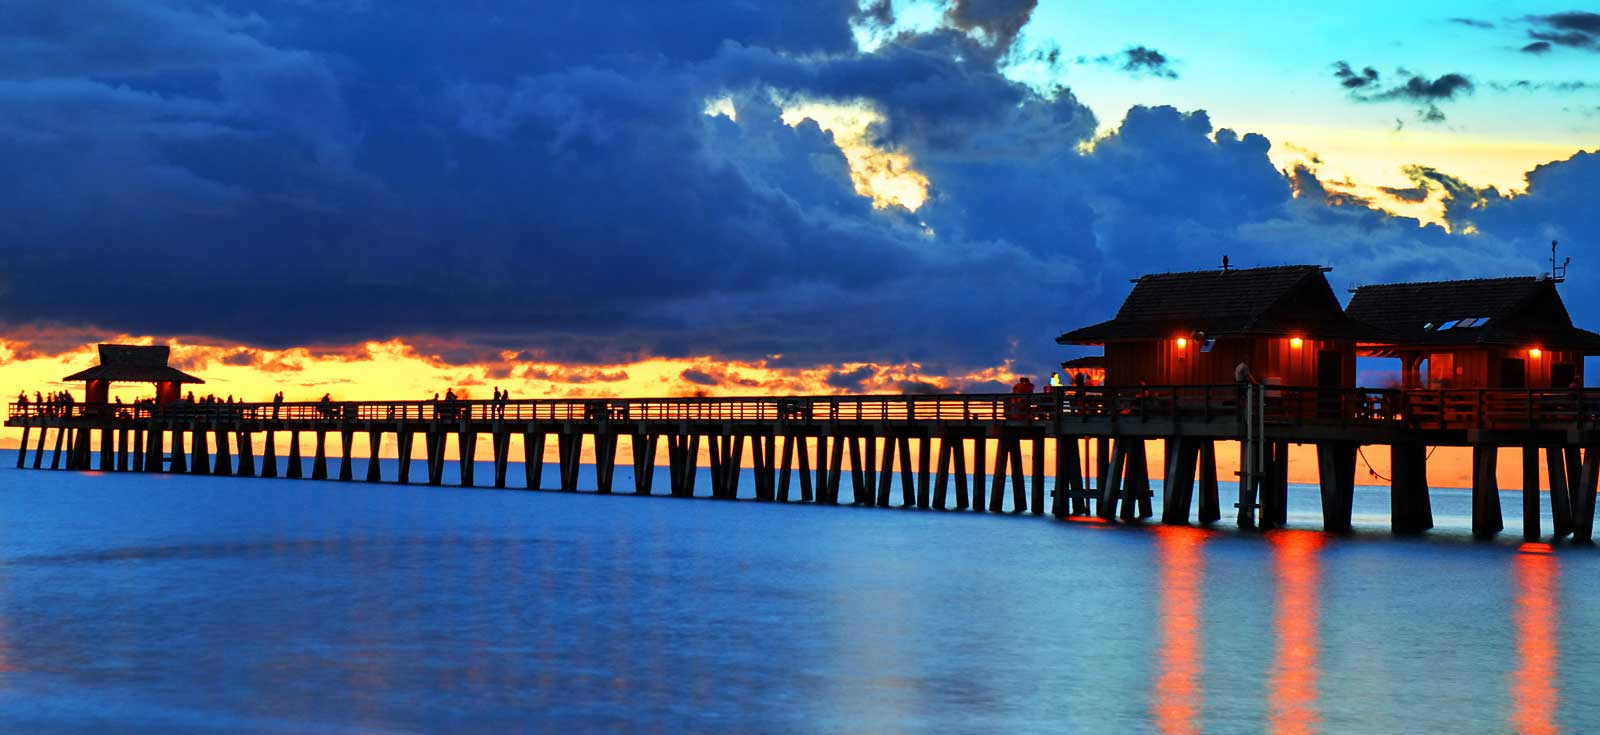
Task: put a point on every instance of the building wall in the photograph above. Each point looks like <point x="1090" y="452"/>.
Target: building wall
<point x="1272" y="359"/>
<point x="1484" y="368"/>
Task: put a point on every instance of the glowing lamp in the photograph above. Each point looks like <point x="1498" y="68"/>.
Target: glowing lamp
<point x="1534" y="352"/>
<point x="1182" y="343"/>
<point x="1296" y="342"/>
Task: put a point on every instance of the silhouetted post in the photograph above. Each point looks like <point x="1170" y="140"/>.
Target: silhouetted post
<point x="224" y="460"/>
<point x="1530" y="493"/>
<point x="1584" y="505"/>
<point x="138" y="450"/>
<point x="1037" y="505"/>
<point x="909" y="497"/>
<point x="1019" y="490"/>
<point x="786" y="464"/>
<point x="38" y="449"/>
<point x="958" y="453"/>
<point x="533" y="457"/>
<point x="22" y="451"/>
<point x="199" y="450"/>
<point x="644" y="462"/>
<point x="1178" y="487"/>
<point x="570" y="446"/>
<point x="1560" y="497"/>
<point x="269" y="454"/>
<point x="247" y="451"/>
<point x="1111" y="490"/>
<point x="605" y="460"/>
<point x="154" y="453"/>
<point x="122" y="449"/>
<point x="804" y="471"/>
<point x="434" y="447"/>
<point x="347" y="440"/>
<point x="500" y="443"/>
<point x="467" y="454"/>
<point x="296" y="468"/>
<point x="404" y="440"/>
<point x="319" y="460"/>
<point x="835" y="469"/>
<point x="374" y="452"/>
<point x="886" y="472"/>
<point x="979" y="469"/>
<point x="180" y="461"/>
<point x="1410" y="508"/>
<point x="941" y="478"/>
<point x="1069" y="477"/>
<point x="108" y="457"/>
<point x="1486" y="516"/>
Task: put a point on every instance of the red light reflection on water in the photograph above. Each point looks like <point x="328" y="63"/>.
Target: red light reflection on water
<point x="1295" y="674"/>
<point x="1176" y="705"/>
<point x="1534" y="694"/>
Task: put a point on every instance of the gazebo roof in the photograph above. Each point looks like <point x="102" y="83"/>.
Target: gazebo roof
<point x="134" y="364"/>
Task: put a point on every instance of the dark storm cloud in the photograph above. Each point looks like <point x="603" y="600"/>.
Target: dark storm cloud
<point x="1576" y="29"/>
<point x="1537" y="48"/>
<point x="1412" y="194"/>
<point x="1142" y="61"/>
<point x="1472" y="22"/>
<point x="851" y="380"/>
<point x="1417" y="89"/>
<point x="292" y="173"/>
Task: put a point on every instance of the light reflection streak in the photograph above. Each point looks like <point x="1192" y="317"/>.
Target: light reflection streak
<point x="1534" y="694"/>
<point x="1176" y="704"/>
<point x="1295" y="674"/>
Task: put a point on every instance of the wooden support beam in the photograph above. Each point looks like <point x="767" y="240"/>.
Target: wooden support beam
<point x="717" y="469"/>
<point x="924" y="469"/>
<point x="500" y="444"/>
<point x="154" y="452"/>
<point x="1574" y="462"/>
<point x="1111" y="490"/>
<point x="1019" y="481"/>
<point x="38" y="450"/>
<point x="269" y="454"/>
<point x="1530" y="493"/>
<point x="108" y="456"/>
<point x="804" y="471"/>
<point x="1486" y="516"/>
<point x="959" y="454"/>
<point x="1002" y="464"/>
<point x="319" y="457"/>
<point x="1280" y="485"/>
<point x="769" y="449"/>
<point x="1409" y="505"/>
<point x="296" y="468"/>
<point x="467" y="456"/>
<point x="1249" y="484"/>
<point x="224" y="459"/>
<point x="199" y="450"/>
<point x="1037" y="499"/>
<point x="347" y="440"/>
<point x="122" y="449"/>
<point x="1069" y="477"/>
<point x="569" y="445"/>
<point x="22" y="452"/>
<point x="979" y="468"/>
<point x="138" y="451"/>
<point x="404" y="440"/>
<point x="691" y="473"/>
<point x="1584" y="502"/>
<point x="1560" y="496"/>
<point x="836" y="458"/>
<point x="886" y="473"/>
<point x="822" y="469"/>
<point x="374" y="452"/>
<point x="644" y="462"/>
<point x="247" y="453"/>
<point x="760" y="467"/>
<point x="605" y="461"/>
<point x="941" y="478"/>
<point x="434" y="447"/>
<point x="858" y="474"/>
<point x="786" y="464"/>
<point x="1135" y="482"/>
<point x="1144" y="495"/>
<point x="533" y="457"/>
<point x="179" y="463"/>
<point x="1178" y="487"/>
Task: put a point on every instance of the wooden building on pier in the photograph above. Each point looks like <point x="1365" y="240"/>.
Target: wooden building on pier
<point x="133" y="364"/>
<point x="1512" y="333"/>
<point x="1195" y="328"/>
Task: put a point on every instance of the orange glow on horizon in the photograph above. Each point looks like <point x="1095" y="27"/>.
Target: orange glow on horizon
<point x="1295" y="673"/>
<point x="1534" y="689"/>
<point x="1176" y="700"/>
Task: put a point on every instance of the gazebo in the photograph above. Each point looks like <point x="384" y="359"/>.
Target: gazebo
<point x="133" y="364"/>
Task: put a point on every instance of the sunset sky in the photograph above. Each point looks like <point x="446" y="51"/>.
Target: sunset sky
<point x="645" y="198"/>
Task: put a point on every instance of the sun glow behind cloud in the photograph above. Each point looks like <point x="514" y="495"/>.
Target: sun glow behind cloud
<point x="886" y="177"/>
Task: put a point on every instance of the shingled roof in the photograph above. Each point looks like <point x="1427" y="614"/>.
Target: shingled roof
<point x="1485" y="311"/>
<point x="134" y="364"/>
<point x="1276" y="301"/>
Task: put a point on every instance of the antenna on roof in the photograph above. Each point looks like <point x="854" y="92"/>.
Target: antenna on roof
<point x="1558" y="273"/>
<point x="1225" y="266"/>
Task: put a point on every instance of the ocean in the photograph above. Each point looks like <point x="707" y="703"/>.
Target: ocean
<point x="134" y="603"/>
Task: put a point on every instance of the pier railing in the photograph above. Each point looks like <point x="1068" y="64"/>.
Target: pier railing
<point x="1423" y="409"/>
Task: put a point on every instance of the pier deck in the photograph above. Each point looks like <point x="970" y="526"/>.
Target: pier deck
<point x="933" y="436"/>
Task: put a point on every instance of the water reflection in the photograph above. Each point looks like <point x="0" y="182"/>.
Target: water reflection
<point x="1176" y="702"/>
<point x="1293" y="694"/>
<point x="1534" y="693"/>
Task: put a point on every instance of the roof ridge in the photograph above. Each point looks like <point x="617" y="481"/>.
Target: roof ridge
<point x="1219" y="271"/>
<point x="1404" y="284"/>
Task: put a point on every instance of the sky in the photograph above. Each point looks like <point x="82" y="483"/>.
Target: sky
<point x="568" y="198"/>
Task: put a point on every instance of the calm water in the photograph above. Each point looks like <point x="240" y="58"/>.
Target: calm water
<point x="195" y="605"/>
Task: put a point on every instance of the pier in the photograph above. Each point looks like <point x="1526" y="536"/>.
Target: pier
<point x="915" y="452"/>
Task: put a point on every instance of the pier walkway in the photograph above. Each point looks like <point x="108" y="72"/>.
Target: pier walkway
<point x="802" y="443"/>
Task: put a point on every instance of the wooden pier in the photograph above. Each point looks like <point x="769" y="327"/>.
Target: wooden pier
<point x="798" y="447"/>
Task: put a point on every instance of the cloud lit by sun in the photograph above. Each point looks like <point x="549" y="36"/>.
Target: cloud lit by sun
<point x="886" y="177"/>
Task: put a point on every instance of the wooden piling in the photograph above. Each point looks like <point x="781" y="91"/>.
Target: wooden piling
<point x="319" y="459"/>
<point x="374" y="454"/>
<point x="1336" y="466"/>
<point x="569" y="448"/>
<point x="605" y="460"/>
<point x="1560" y="497"/>
<point x="108" y="457"/>
<point x="269" y="454"/>
<point x="785" y="466"/>
<point x="1409" y="507"/>
<point x="296" y="468"/>
<point x="223" y="464"/>
<point x="533" y="457"/>
<point x="347" y="440"/>
<point x="1584" y="502"/>
<point x="247" y="460"/>
<point x="960" y="471"/>
<point x="979" y="468"/>
<point x="1530" y="493"/>
<point x="644" y="462"/>
<point x="1111" y="489"/>
<point x="500" y="443"/>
